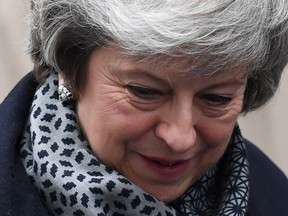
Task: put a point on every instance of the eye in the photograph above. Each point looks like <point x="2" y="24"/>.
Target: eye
<point x="144" y="92"/>
<point x="216" y="100"/>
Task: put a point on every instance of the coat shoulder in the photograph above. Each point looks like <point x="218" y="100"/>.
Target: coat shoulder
<point x="268" y="184"/>
<point x="17" y="194"/>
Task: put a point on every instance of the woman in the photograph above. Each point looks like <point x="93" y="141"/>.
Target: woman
<point x="136" y="109"/>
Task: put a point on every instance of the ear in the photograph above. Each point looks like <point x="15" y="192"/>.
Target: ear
<point x="60" y="79"/>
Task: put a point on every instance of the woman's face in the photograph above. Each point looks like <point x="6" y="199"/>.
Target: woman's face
<point x="156" y="126"/>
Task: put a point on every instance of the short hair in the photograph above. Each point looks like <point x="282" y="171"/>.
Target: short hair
<point x="215" y="35"/>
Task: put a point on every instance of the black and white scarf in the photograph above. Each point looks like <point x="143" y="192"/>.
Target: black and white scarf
<point x="71" y="181"/>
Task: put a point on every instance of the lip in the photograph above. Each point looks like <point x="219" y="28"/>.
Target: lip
<point x="165" y="167"/>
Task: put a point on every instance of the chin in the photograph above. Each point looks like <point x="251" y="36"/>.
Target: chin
<point x="166" y="196"/>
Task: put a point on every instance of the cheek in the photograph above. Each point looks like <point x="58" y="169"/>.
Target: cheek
<point x="129" y="123"/>
<point x="112" y="121"/>
<point x="216" y="133"/>
<point x="109" y="132"/>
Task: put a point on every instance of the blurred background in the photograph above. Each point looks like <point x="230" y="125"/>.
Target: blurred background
<point x="267" y="128"/>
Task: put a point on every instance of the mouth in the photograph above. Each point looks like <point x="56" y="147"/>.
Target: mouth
<point x="165" y="162"/>
<point x="165" y="167"/>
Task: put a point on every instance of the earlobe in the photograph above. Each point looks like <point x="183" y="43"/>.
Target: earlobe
<point x="61" y="80"/>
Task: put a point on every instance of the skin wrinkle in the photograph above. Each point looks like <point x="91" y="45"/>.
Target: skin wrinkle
<point x="120" y="127"/>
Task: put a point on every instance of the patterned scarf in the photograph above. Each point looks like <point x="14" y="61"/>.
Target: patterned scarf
<point x="71" y="181"/>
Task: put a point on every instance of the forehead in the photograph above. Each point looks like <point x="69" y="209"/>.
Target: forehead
<point x="109" y="64"/>
<point x="169" y="66"/>
<point x="184" y="66"/>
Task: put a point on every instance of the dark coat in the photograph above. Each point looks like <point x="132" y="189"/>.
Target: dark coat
<point x="268" y="185"/>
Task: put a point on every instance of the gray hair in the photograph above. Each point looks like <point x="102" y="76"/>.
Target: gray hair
<point x="214" y="34"/>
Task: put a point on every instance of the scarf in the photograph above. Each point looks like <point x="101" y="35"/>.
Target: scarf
<point x="72" y="181"/>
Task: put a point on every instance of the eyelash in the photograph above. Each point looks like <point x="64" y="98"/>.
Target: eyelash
<point x="216" y="100"/>
<point x="150" y="94"/>
<point x="144" y="92"/>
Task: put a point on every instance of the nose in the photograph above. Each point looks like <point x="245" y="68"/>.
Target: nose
<point x="176" y="127"/>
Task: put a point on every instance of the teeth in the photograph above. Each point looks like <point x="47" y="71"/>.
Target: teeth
<point x="166" y="164"/>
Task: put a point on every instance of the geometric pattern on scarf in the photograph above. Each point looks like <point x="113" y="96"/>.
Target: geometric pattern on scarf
<point x="71" y="181"/>
<point x="224" y="190"/>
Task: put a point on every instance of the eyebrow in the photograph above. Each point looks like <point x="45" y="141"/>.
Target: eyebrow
<point x="136" y="72"/>
<point x="238" y="82"/>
